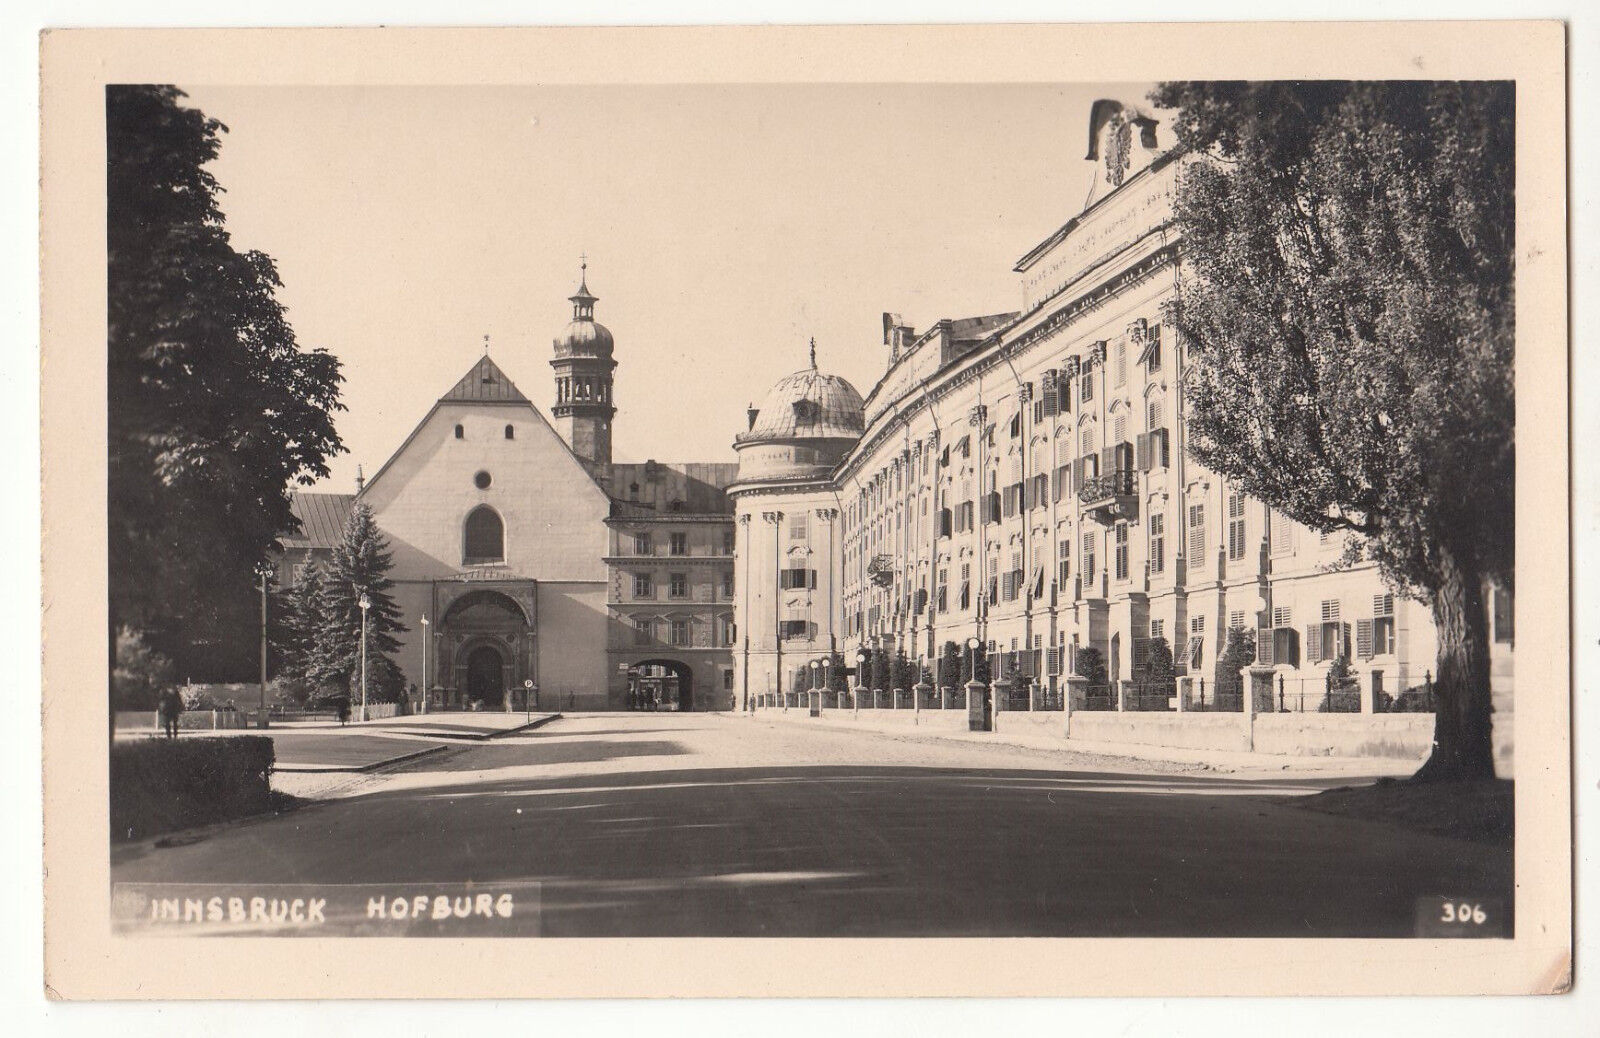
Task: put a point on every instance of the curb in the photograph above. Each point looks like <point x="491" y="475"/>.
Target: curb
<point x="497" y="733"/>
<point x="1230" y="762"/>
<point x="332" y="769"/>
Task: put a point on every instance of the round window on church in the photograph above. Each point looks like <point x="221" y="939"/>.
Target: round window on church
<point x="482" y="480"/>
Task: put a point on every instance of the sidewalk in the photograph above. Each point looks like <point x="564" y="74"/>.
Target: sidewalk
<point x="476" y="725"/>
<point x="1050" y="740"/>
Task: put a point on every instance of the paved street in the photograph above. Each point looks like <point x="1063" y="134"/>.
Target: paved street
<point x="695" y="825"/>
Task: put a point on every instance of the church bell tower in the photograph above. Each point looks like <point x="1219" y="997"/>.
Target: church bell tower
<point x="584" y="370"/>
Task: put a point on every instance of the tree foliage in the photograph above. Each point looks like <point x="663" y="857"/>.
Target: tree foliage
<point x="1347" y="308"/>
<point x="1158" y="665"/>
<point x="1091" y="665"/>
<point x="140" y="673"/>
<point x="360" y="565"/>
<point x="951" y="674"/>
<point x="1239" y="653"/>
<point x="213" y="409"/>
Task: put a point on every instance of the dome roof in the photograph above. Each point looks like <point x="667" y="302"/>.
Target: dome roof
<point x="584" y="337"/>
<point x="808" y="405"/>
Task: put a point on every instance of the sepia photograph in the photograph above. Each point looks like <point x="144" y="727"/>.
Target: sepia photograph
<point x="1068" y="507"/>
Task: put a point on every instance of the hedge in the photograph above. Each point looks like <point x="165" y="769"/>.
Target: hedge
<point x="158" y="785"/>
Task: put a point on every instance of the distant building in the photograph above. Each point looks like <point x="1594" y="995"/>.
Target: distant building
<point x="534" y="557"/>
<point x="1021" y="479"/>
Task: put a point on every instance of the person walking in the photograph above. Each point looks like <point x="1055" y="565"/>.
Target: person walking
<point x="170" y="705"/>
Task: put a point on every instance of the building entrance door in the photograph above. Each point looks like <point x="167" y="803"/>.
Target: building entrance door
<point x="486" y="677"/>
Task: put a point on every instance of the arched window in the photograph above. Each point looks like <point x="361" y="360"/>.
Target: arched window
<point x="511" y="432"/>
<point x="461" y="433"/>
<point x="485" y="537"/>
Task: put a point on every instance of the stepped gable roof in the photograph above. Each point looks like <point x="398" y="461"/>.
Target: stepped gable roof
<point x="485" y="383"/>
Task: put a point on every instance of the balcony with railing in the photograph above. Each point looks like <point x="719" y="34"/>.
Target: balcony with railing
<point x="1110" y="497"/>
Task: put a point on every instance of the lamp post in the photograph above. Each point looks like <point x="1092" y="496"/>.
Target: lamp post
<point x="972" y="655"/>
<point x="264" y="571"/>
<point x="426" y="678"/>
<point x="365" y="603"/>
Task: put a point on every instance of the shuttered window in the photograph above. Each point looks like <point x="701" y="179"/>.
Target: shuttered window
<point x="1158" y="543"/>
<point x="1364" y="639"/>
<point x="1281" y="533"/>
<point x="1236" y="533"/>
<point x="1119" y="537"/>
<point x="1197" y="534"/>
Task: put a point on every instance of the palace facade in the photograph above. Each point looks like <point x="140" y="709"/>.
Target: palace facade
<point x="524" y="556"/>
<point x="1019" y="480"/>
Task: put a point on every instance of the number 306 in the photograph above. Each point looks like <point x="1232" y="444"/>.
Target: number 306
<point x="1462" y="913"/>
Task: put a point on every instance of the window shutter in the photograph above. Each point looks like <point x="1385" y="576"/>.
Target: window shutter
<point x="1364" y="639"/>
<point x="1108" y="459"/>
<point x="1142" y="449"/>
<point x="1313" y="643"/>
<point x="1264" y="646"/>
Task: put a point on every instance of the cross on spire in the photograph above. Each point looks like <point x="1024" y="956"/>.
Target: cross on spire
<point x="485" y="345"/>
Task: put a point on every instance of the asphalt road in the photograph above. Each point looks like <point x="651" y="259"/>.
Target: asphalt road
<point x="692" y="825"/>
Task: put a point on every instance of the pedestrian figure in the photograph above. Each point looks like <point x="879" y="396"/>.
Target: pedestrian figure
<point x="344" y="711"/>
<point x="170" y="705"/>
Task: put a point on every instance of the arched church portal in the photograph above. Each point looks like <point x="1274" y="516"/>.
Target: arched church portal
<point x="486" y="677"/>
<point x="487" y="651"/>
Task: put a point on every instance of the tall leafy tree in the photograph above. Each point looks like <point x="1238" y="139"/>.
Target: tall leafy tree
<point x="1347" y="307"/>
<point x="360" y="565"/>
<point x="213" y="409"/>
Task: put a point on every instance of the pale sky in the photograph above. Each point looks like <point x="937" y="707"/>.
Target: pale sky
<point x="724" y="227"/>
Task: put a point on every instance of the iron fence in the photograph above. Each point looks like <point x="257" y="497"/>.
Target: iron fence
<point x="1099" y="697"/>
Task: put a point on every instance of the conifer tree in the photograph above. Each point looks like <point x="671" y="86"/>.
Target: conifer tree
<point x="360" y="564"/>
<point x="296" y="618"/>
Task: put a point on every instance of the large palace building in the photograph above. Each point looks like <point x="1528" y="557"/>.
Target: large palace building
<point x="1020" y="480"/>
<point x="523" y="553"/>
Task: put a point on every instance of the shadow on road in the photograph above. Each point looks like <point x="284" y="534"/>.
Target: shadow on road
<point x="543" y="752"/>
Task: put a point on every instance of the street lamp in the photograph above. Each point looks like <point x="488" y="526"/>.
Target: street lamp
<point x="264" y="571"/>
<point x="425" y="676"/>
<point x="972" y="654"/>
<point x="365" y="604"/>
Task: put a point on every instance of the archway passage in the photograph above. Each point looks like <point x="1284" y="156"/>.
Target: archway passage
<point x="661" y="685"/>
<point x="486" y="677"/>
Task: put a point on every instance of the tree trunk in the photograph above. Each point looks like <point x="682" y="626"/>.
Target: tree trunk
<point x="1462" y="746"/>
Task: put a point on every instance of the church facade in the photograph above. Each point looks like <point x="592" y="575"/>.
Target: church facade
<point x="522" y="552"/>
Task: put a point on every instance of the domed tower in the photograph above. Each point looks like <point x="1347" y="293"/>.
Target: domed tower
<point x="786" y="585"/>
<point x="584" y="371"/>
<point x="802" y="429"/>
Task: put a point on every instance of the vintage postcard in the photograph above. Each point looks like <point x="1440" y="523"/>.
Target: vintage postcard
<point x="836" y="502"/>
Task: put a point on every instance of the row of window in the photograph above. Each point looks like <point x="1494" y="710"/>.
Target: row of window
<point x="680" y="632"/>
<point x="644" y="586"/>
<point x="583" y="388"/>
<point x="510" y="433"/>
<point x="677" y="543"/>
